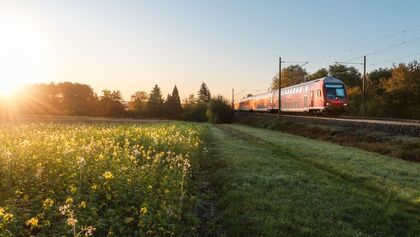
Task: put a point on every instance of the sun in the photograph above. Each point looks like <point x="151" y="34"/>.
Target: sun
<point x="23" y="51"/>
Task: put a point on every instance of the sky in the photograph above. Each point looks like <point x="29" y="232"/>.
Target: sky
<point x="133" y="45"/>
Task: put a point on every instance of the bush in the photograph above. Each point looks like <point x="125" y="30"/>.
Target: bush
<point x="219" y="111"/>
<point x="195" y="112"/>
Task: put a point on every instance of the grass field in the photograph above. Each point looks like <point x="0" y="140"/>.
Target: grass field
<point x="98" y="178"/>
<point x="123" y="178"/>
<point x="274" y="184"/>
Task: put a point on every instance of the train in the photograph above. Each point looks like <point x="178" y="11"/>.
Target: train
<point x="327" y="95"/>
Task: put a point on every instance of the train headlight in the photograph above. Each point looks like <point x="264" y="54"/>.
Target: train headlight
<point x="345" y="104"/>
<point x="328" y="103"/>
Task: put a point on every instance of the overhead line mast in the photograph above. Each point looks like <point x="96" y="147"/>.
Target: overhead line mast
<point x="279" y="82"/>
<point x="363" y="82"/>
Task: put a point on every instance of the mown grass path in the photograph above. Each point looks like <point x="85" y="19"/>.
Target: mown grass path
<point x="274" y="184"/>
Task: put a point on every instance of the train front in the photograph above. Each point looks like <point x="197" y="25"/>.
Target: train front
<point x="336" y="100"/>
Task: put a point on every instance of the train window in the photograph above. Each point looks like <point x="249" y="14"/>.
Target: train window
<point x="318" y="93"/>
<point x="306" y="88"/>
<point x="335" y="91"/>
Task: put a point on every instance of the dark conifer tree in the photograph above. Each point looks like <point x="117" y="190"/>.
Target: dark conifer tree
<point x="155" y="104"/>
<point x="204" y="93"/>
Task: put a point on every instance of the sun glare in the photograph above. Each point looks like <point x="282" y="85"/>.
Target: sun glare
<point x="7" y="91"/>
<point x="23" y="52"/>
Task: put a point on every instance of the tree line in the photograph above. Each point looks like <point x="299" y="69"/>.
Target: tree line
<point x="390" y="92"/>
<point x="75" y="99"/>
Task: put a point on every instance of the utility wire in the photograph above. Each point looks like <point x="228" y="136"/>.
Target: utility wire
<point x="373" y="41"/>
<point x="391" y="60"/>
<point x="402" y="44"/>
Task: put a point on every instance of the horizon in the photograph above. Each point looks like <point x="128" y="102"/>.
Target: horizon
<point x="131" y="46"/>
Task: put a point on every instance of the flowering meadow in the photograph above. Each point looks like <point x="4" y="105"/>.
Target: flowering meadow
<point x="75" y="179"/>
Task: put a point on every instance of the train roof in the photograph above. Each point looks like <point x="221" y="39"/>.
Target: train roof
<point x="325" y="79"/>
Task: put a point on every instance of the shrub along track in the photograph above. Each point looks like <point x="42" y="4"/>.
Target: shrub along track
<point x="269" y="183"/>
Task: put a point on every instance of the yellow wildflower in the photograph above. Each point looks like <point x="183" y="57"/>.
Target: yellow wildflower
<point x="33" y="222"/>
<point x="82" y="204"/>
<point x="108" y="175"/>
<point x="143" y="210"/>
<point x="73" y="189"/>
<point x="1" y="211"/>
<point x="71" y="221"/>
<point x="48" y="203"/>
<point x="8" y="217"/>
<point x="94" y="187"/>
<point x="69" y="200"/>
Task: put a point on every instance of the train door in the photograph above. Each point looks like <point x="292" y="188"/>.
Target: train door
<point x="305" y="102"/>
<point x="312" y="99"/>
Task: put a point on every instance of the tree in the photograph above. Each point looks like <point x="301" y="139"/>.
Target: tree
<point x="76" y="99"/>
<point x="219" y="111"/>
<point x="173" y="105"/>
<point x="348" y="74"/>
<point x="40" y="99"/>
<point x="318" y="74"/>
<point x="204" y="93"/>
<point x="138" y="104"/>
<point x="155" y="104"/>
<point x="291" y="75"/>
<point x="111" y="104"/>
<point x="403" y="91"/>
<point x="190" y="100"/>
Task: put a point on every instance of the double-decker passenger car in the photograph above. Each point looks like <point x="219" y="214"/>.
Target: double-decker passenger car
<point x="324" y="95"/>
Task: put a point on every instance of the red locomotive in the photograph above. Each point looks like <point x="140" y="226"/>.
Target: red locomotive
<point x="324" y="95"/>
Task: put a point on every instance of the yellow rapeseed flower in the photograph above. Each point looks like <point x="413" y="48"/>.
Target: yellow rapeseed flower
<point x="69" y="200"/>
<point x="48" y="203"/>
<point x="143" y="210"/>
<point x="94" y="187"/>
<point x="108" y="175"/>
<point x="33" y="222"/>
<point x="8" y="217"/>
<point x="1" y="211"/>
<point x="82" y="204"/>
<point x="73" y="189"/>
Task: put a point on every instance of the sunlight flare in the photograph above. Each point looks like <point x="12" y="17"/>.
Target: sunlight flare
<point x="24" y="52"/>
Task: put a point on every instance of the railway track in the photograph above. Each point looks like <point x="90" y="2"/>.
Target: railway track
<point x="348" y="118"/>
<point x="391" y="126"/>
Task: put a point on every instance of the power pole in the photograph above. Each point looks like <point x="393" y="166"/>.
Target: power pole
<point x="363" y="86"/>
<point x="233" y="98"/>
<point x="279" y="106"/>
<point x="303" y="63"/>
<point x="363" y="82"/>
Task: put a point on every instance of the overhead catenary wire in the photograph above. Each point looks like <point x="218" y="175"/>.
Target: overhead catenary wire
<point x="398" y="45"/>
<point x="373" y="42"/>
<point x="391" y="60"/>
